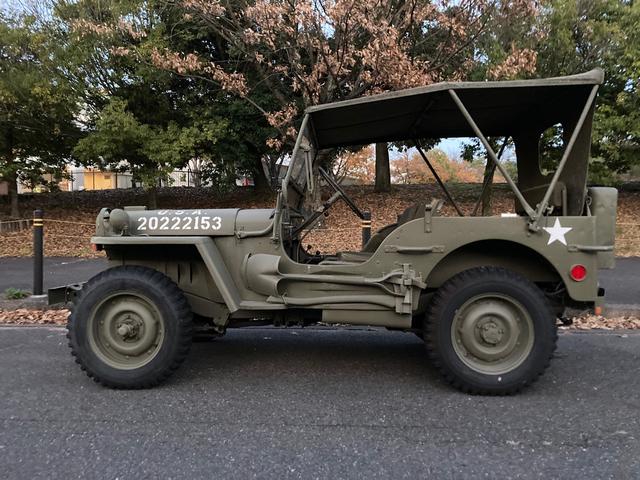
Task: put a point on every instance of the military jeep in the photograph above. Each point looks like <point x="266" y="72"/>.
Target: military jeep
<point x="484" y="292"/>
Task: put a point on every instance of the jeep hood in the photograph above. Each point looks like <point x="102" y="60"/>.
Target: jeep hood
<point x="137" y="221"/>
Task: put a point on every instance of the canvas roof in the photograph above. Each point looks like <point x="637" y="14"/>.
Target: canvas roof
<point x="502" y="108"/>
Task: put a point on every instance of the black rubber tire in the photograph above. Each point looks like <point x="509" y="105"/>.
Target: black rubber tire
<point x="166" y="297"/>
<point x="464" y="286"/>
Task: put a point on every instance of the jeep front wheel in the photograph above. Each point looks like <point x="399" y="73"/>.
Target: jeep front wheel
<point x="490" y="331"/>
<point x="130" y="328"/>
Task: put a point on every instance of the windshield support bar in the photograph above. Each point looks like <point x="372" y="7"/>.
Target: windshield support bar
<point x="492" y="155"/>
<point x="318" y="212"/>
<point x="437" y="177"/>
<point x="542" y="206"/>
<point x="296" y="147"/>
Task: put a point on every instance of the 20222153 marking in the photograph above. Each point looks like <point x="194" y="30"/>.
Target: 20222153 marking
<point x="195" y="222"/>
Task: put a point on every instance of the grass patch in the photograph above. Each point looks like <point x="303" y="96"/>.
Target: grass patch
<point x="15" y="293"/>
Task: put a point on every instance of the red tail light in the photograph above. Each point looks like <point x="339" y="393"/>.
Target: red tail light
<point x="578" y="273"/>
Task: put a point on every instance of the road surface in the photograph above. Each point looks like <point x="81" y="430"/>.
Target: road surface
<point x="317" y="403"/>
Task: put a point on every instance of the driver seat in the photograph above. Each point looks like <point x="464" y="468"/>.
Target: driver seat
<point x="413" y="212"/>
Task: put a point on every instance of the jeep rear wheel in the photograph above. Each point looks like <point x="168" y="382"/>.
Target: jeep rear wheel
<point x="490" y="331"/>
<point x="130" y="328"/>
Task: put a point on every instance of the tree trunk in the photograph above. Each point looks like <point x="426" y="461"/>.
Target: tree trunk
<point x="152" y="197"/>
<point x="489" y="170"/>
<point x="195" y="174"/>
<point x="12" y="180"/>
<point x="383" y="169"/>
<point x="260" y="180"/>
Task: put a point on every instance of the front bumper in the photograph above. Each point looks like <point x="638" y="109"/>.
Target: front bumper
<point x="64" y="293"/>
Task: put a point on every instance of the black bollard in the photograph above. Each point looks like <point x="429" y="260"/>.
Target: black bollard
<point x="38" y="251"/>
<point x="366" y="227"/>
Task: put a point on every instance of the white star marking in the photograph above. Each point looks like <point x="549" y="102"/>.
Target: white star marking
<point x="557" y="232"/>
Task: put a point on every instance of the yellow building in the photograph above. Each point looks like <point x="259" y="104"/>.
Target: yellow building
<point x="97" y="180"/>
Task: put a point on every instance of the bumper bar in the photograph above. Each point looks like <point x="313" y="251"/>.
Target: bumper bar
<point x="64" y="294"/>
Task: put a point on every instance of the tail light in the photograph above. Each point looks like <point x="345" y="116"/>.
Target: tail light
<point x="578" y="273"/>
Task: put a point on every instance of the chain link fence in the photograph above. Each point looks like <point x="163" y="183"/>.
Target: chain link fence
<point x="98" y="180"/>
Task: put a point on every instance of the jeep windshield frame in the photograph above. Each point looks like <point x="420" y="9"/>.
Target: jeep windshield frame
<point x="518" y="109"/>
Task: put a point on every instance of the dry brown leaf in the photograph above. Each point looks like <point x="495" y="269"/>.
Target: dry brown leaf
<point x="23" y="316"/>
<point x="589" y="322"/>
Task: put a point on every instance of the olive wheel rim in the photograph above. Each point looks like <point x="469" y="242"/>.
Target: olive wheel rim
<point x="492" y="333"/>
<point x="126" y="330"/>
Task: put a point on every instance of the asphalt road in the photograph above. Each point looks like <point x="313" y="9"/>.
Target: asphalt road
<point x="317" y="403"/>
<point x="622" y="284"/>
<point x="17" y="272"/>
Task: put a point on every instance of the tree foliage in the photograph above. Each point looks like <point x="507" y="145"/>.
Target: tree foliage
<point x="37" y="107"/>
<point x="357" y="166"/>
<point x="161" y="83"/>
<point x="410" y="168"/>
<point x="584" y="34"/>
<point x="145" y="118"/>
<point x="281" y="57"/>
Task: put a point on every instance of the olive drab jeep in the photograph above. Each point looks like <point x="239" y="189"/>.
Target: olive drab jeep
<point x="484" y="292"/>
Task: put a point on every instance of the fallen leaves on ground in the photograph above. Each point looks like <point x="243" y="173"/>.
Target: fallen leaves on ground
<point x="64" y="236"/>
<point x="589" y="322"/>
<point x="70" y="216"/>
<point x="25" y="316"/>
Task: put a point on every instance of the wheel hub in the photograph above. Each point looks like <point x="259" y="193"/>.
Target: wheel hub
<point x="129" y="326"/>
<point x="492" y="333"/>
<point x="128" y="330"/>
<point x="125" y="330"/>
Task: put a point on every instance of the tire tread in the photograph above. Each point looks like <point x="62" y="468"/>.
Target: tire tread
<point x="175" y="298"/>
<point x="439" y="302"/>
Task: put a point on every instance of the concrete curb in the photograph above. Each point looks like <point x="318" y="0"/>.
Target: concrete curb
<point x="34" y="302"/>
<point x="621" y="310"/>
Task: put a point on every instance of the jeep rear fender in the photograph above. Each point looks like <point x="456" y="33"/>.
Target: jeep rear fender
<point x="506" y="254"/>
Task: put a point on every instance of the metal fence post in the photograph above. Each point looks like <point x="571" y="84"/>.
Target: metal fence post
<point x="38" y="251"/>
<point x="366" y="227"/>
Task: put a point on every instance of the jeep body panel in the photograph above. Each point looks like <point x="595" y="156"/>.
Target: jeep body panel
<point x="246" y="263"/>
<point x="256" y="274"/>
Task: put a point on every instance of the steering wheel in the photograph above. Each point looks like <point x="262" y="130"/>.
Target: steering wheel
<point x="329" y="179"/>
